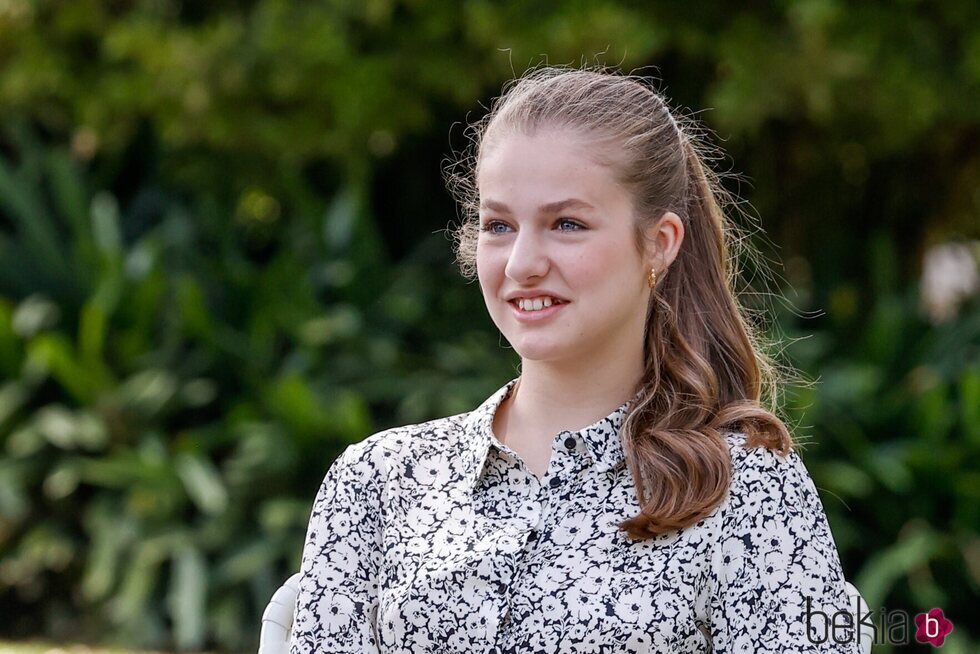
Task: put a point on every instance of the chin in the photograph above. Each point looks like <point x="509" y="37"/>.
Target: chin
<point x="533" y="349"/>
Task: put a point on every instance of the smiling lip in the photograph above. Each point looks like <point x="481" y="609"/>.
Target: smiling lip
<point x="535" y="316"/>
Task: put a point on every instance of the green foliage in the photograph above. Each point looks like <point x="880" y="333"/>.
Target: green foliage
<point x="169" y="405"/>
<point x="258" y="93"/>
<point x="891" y="433"/>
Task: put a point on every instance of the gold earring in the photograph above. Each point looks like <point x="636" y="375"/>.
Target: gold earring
<point x="652" y="278"/>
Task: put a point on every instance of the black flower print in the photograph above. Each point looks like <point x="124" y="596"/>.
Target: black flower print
<point x="437" y="538"/>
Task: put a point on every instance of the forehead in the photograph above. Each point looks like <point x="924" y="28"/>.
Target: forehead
<point x="536" y="168"/>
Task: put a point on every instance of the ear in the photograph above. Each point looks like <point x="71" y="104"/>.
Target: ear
<point x="663" y="241"/>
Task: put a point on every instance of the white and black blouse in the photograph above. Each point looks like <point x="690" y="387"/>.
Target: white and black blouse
<point x="437" y="538"/>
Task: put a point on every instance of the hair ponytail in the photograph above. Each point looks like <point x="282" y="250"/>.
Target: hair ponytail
<point x="705" y="371"/>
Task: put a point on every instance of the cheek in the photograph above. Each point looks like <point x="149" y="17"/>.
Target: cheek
<point x="489" y="268"/>
<point x="490" y="260"/>
<point x="603" y="266"/>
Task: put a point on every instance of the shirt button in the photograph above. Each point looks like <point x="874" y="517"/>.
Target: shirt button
<point x="570" y="443"/>
<point x="555" y="482"/>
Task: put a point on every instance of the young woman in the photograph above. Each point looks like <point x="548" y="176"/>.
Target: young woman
<point x="627" y="492"/>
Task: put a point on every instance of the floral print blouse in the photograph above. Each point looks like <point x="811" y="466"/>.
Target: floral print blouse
<point x="437" y="538"/>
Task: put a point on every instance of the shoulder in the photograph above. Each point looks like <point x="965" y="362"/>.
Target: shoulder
<point x="436" y="434"/>
<point x="763" y="476"/>
<point x="388" y="450"/>
<point x="760" y="460"/>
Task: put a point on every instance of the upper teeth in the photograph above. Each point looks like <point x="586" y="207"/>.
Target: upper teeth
<point x="536" y="304"/>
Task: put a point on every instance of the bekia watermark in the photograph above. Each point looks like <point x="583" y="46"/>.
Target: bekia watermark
<point x="892" y="627"/>
<point x="933" y="627"/>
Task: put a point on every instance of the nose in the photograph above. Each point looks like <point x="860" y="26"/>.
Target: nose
<point x="528" y="258"/>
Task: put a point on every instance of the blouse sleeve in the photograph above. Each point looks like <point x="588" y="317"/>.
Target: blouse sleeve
<point x="776" y="582"/>
<point x="337" y="602"/>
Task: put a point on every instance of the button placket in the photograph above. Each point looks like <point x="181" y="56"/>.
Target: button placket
<point x="574" y="461"/>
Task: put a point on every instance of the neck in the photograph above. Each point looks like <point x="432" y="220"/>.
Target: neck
<point x="552" y="398"/>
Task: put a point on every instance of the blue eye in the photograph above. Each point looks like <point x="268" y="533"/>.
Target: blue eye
<point x="490" y="225"/>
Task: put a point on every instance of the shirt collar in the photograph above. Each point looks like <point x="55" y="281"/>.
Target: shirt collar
<point x="602" y="438"/>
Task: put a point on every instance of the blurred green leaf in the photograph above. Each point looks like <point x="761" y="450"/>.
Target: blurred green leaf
<point x="186" y="599"/>
<point x="202" y="481"/>
<point x="915" y="549"/>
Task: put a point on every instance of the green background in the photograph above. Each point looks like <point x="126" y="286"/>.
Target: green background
<point x="223" y="257"/>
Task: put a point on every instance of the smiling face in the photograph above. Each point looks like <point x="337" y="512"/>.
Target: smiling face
<point x="554" y="222"/>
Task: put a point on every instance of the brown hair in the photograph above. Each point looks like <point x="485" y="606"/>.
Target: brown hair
<point x="706" y="371"/>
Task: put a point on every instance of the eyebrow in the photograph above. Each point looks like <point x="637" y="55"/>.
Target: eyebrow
<point x="551" y="207"/>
